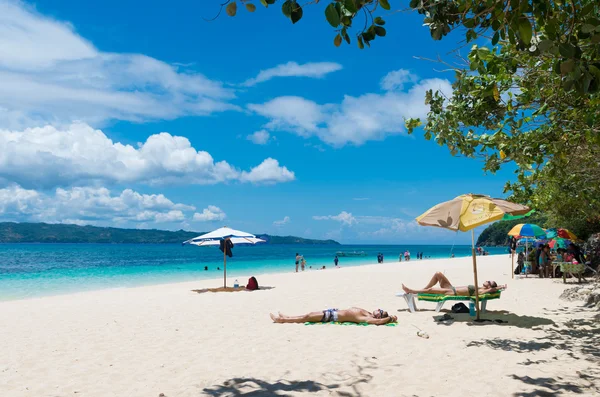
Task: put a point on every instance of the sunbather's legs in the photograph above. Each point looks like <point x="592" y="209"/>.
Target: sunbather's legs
<point x="439" y="277"/>
<point x="310" y="317"/>
<point x="432" y="290"/>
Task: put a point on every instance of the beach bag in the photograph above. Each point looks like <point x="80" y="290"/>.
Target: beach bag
<point x="252" y="284"/>
<point x="460" y="308"/>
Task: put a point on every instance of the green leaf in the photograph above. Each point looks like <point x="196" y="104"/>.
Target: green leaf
<point x="332" y="15"/>
<point x="595" y="39"/>
<point x="296" y="13"/>
<point x="414" y="3"/>
<point x="567" y="66"/>
<point x="525" y="30"/>
<point x="469" y="23"/>
<point x="337" y="40"/>
<point x="360" y="42"/>
<point x="271" y="2"/>
<point x="250" y="7"/>
<point x="231" y="9"/>
<point x="588" y="28"/>
<point x="496" y="38"/>
<point x="379" y="21"/>
<point x="345" y="36"/>
<point x="545" y="45"/>
<point x="566" y="50"/>
<point x="264" y="3"/>
<point x="380" y="31"/>
<point x="350" y="5"/>
<point x="384" y="4"/>
<point x="286" y="8"/>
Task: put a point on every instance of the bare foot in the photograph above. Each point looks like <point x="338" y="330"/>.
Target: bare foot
<point x="406" y="289"/>
<point x="275" y="319"/>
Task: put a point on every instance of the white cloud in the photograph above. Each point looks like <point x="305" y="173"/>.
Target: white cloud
<point x="49" y="72"/>
<point x="396" y="79"/>
<point x="355" y="120"/>
<point x="344" y="217"/>
<point x="259" y="137"/>
<point x="210" y="214"/>
<point x="284" y="221"/>
<point x="268" y="172"/>
<point x="292" y="69"/>
<point x="89" y="205"/>
<point x="49" y="157"/>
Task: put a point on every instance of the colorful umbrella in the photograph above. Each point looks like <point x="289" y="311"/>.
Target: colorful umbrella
<point x="562" y="233"/>
<point x="527" y="230"/>
<point x="465" y="213"/>
<point x="559" y="243"/>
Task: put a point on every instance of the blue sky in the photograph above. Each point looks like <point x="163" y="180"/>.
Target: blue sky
<point x="136" y="114"/>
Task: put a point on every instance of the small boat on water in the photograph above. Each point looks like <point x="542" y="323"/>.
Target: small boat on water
<point x="352" y="253"/>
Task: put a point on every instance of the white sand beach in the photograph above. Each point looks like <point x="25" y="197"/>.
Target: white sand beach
<point x="167" y="339"/>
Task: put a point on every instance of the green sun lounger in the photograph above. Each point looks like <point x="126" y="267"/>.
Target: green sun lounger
<point x="441" y="299"/>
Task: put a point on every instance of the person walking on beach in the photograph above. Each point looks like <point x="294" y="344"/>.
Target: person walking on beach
<point x="335" y="261"/>
<point x="352" y="315"/>
<point x="302" y="263"/>
<point x="446" y="287"/>
<point x="298" y="257"/>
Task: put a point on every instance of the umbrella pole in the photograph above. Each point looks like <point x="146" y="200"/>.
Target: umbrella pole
<point x="512" y="261"/>
<point x="225" y="267"/>
<point x="475" y="272"/>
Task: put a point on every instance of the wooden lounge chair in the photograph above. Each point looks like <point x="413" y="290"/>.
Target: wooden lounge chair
<point x="440" y="299"/>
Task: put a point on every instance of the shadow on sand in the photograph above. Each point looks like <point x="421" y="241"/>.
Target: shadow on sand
<point x="499" y="318"/>
<point x="345" y="384"/>
<point x="228" y="289"/>
<point x="576" y="339"/>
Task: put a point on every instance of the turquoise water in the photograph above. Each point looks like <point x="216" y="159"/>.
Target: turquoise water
<point x="33" y="270"/>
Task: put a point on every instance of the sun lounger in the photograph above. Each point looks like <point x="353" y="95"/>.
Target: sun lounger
<point x="441" y="299"/>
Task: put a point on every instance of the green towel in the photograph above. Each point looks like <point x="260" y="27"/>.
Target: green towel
<point x="348" y="323"/>
<point x="439" y="297"/>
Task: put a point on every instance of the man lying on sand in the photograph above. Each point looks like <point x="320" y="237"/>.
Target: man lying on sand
<point x="446" y="287"/>
<point x="352" y="315"/>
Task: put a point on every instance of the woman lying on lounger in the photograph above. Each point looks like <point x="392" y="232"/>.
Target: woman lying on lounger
<point x="352" y="315"/>
<point x="446" y="287"/>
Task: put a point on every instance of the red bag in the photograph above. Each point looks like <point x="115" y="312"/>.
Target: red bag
<point x="252" y="284"/>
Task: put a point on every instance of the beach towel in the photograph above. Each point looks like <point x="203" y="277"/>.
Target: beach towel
<point x="348" y="323"/>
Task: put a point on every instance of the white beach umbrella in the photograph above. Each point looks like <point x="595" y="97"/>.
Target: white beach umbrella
<point x="223" y="234"/>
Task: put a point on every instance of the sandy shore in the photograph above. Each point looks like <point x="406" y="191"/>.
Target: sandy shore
<point x="166" y="339"/>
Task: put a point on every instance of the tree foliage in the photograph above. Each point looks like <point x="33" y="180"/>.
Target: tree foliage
<point x="529" y="98"/>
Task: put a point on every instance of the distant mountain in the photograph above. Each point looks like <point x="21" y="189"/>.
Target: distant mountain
<point x="11" y="232"/>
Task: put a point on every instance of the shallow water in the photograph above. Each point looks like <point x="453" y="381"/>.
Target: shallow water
<point x="33" y="270"/>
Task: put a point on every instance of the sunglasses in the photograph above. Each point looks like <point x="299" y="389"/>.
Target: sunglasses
<point x="381" y="313"/>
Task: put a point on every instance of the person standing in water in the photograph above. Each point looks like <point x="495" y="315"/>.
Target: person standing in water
<point x="298" y="257"/>
<point x="335" y="261"/>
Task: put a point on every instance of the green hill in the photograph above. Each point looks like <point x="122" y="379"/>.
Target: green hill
<point x="496" y="233"/>
<point x="11" y="232"/>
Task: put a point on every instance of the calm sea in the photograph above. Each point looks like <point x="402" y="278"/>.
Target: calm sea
<point x="33" y="270"/>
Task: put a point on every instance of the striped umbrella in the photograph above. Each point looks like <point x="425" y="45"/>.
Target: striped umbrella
<point x="527" y="230"/>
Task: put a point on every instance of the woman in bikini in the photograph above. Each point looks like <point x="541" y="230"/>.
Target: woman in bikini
<point x="352" y="315"/>
<point x="446" y="287"/>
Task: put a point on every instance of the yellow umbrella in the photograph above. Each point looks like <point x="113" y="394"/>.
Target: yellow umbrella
<point x="465" y="213"/>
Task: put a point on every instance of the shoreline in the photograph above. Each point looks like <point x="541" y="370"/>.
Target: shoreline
<point x="230" y="279"/>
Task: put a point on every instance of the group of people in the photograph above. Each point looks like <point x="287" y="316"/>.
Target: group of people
<point x="439" y="284"/>
<point x="300" y="261"/>
<point x="380" y="258"/>
<point x="541" y="259"/>
<point x="406" y="256"/>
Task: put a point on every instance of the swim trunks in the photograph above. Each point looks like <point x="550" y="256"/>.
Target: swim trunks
<point x="329" y="315"/>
